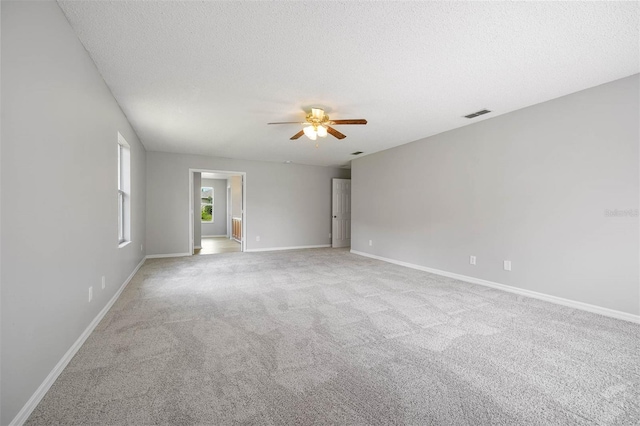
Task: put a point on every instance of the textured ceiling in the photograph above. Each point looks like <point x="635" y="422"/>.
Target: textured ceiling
<point x="206" y="77"/>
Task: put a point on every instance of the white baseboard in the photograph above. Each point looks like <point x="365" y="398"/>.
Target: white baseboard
<point x="197" y="247"/>
<point x="289" y="248"/>
<point x="213" y="236"/>
<point x="159" y="256"/>
<point x="35" y="399"/>
<point x="533" y="294"/>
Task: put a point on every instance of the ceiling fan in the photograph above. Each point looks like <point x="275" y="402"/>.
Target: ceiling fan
<point x="317" y="123"/>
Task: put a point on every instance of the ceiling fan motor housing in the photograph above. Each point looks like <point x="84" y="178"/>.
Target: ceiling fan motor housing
<point x="317" y="117"/>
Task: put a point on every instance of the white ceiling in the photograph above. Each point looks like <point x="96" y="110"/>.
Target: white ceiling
<point x="206" y="77"/>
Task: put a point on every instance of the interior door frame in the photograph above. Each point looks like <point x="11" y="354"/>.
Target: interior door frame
<point x="228" y="214"/>
<point x="243" y="244"/>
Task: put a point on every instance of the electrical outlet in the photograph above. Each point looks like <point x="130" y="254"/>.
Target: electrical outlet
<point x="257" y="237"/>
<point x="472" y="260"/>
<point x="370" y="242"/>
<point x="141" y="247"/>
<point x="90" y="293"/>
<point x="507" y="265"/>
<point x="104" y="282"/>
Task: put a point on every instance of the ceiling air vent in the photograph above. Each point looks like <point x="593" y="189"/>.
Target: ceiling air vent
<point x="356" y="153"/>
<point x="478" y="113"/>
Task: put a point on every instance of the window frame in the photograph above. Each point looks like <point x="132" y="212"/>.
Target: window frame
<point x="124" y="192"/>
<point x="202" y="204"/>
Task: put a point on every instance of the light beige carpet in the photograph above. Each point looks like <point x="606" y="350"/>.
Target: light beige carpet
<point x="327" y="337"/>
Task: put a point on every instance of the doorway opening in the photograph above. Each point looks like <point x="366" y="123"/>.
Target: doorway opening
<point x="217" y="211"/>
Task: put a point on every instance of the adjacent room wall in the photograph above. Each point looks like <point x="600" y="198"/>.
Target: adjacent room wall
<point x="219" y="225"/>
<point x="59" y="215"/>
<point x="236" y="196"/>
<point x="288" y="205"/>
<point x="536" y="186"/>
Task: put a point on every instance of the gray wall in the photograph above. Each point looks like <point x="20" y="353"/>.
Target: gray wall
<point x="531" y="186"/>
<point x="219" y="225"/>
<point x="197" y="214"/>
<point x="287" y="204"/>
<point x="59" y="168"/>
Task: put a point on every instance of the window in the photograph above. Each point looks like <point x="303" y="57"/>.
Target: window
<point x="206" y="203"/>
<point x="124" y="191"/>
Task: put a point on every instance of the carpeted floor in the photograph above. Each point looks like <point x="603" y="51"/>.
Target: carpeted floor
<point x="327" y="337"/>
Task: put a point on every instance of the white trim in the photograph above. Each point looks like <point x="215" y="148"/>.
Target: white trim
<point x="122" y="141"/>
<point x="289" y="248"/>
<point x="161" y="256"/>
<point x="197" y="248"/>
<point x="229" y="208"/>
<point x="192" y="214"/>
<point x="35" y="399"/>
<point x="625" y="316"/>
<point x="213" y="236"/>
<point x="123" y="244"/>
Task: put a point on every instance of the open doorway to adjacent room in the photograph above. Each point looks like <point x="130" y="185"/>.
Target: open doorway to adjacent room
<point x="217" y="217"/>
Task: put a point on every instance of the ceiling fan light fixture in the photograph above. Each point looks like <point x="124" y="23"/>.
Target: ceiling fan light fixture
<point x="317" y="113"/>
<point x="317" y="123"/>
<point x="310" y="132"/>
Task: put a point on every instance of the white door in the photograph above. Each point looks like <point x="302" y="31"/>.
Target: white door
<point x="341" y="213"/>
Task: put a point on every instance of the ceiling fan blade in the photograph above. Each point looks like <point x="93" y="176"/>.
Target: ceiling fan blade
<point x="297" y="135"/>
<point x="334" y="132"/>
<point x="351" y="121"/>
<point x="287" y="122"/>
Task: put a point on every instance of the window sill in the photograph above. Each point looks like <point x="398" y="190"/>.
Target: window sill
<point x="124" y="244"/>
<point x="208" y="223"/>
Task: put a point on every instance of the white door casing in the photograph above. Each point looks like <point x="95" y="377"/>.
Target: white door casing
<point x="228" y="210"/>
<point x="341" y="213"/>
<point x="243" y="197"/>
